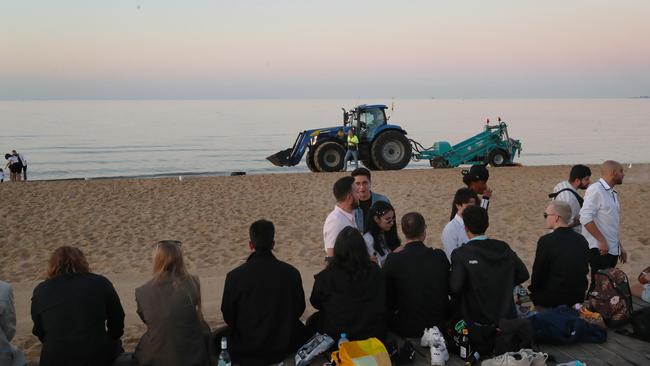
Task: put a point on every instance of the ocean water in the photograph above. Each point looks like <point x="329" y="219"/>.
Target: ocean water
<point x="77" y="139"/>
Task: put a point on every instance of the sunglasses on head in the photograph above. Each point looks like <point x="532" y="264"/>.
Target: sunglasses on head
<point x="177" y="243"/>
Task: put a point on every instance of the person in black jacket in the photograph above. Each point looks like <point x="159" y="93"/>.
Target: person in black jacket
<point x="484" y="273"/>
<point x="417" y="283"/>
<point x="77" y="314"/>
<point x="561" y="261"/>
<point x="262" y="302"/>
<point x="350" y="292"/>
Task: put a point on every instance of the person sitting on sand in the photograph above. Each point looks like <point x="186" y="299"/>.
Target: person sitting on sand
<point x="484" y="273"/>
<point x="561" y="261"/>
<point x="476" y="179"/>
<point x="367" y="197"/>
<point x="347" y="201"/>
<point x="9" y="355"/>
<point x="381" y="232"/>
<point x="350" y="293"/>
<point x="417" y="283"/>
<point x="175" y="326"/>
<point x="454" y="235"/>
<point x="641" y="289"/>
<point x="567" y="191"/>
<point x="77" y="314"/>
<point x="262" y="302"/>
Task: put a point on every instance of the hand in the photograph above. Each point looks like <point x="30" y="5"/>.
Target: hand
<point x="373" y="258"/>
<point x="487" y="192"/>
<point x="623" y="256"/>
<point x="603" y="248"/>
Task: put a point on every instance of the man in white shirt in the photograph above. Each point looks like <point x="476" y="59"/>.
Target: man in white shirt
<point x="454" y="234"/>
<point x="600" y="218"/>
<point x="347" y="201"/>
<point x="567" y="191"/>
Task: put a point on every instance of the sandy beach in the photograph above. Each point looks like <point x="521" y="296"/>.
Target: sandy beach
<point x="115" y="222"/>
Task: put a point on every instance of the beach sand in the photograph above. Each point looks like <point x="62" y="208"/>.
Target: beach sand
<point x="115" y="222"/>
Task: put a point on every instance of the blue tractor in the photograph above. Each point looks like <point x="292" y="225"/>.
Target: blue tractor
<point x="382" y="146"/>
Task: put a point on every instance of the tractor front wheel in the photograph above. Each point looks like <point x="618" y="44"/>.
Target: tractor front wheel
<point x="391" y="151"/>
<point x="368" y="164"/>
<point x="498" y="157"/>
<point x="311" y="163"/>
<point x="328" y="157"/>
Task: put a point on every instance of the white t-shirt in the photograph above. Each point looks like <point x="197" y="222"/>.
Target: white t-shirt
<point x="370" y="245"/>
<point x="454" y="235"/>
<point x="336" y="221"/>
<point x="570" y="199"/>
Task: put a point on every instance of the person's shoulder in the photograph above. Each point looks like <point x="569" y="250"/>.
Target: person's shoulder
<point x="287" y="267"/>
<point x="380" y="197"/>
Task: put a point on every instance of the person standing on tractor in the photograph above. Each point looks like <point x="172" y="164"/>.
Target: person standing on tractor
<point x="353" y="150"/>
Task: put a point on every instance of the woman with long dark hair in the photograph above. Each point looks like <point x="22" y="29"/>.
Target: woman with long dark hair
<point x="175" y="326"/>
<point x="381" y="232"/>
<point x="350" y="292"/>
<point x="77" y="314"/>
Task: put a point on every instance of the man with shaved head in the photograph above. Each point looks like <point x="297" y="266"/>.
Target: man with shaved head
<point x="600" y="219"/>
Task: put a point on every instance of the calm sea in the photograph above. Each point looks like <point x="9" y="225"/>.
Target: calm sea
<point x="76" y="139"/>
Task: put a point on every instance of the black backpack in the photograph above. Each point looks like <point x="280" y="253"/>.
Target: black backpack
<point x="577" y="196"/>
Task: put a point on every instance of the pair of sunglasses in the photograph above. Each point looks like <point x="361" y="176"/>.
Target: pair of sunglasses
<point x="178" y="243"/>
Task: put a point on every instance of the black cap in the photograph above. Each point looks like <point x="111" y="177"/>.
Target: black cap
<point x="476" y="173"/>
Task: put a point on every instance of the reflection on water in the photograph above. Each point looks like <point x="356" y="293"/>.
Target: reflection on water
<point x="71" y="139"/>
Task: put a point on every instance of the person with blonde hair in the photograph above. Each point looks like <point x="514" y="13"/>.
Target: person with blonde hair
<point x="77" y="314"/>
<point x="170" y="305"/>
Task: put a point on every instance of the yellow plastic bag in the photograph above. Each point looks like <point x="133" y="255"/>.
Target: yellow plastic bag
<point x="369" y="352"/>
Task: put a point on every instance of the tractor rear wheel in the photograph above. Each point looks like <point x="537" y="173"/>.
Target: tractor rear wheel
<point x="309" y="159"/>
<point x="439" y="163"/>
<point x="391" y="151"/>
<point x="328" y="157"/>
<point x="498" y="157"/>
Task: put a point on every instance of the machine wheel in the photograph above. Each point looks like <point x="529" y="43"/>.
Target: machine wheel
<point x="498" y="157"/>
<point x="439" y="163"/>
<point x="311" y="164"/>
<point x="391" y="151"/>
<point x="368" y="164"/>
<point x="328" y="157"/>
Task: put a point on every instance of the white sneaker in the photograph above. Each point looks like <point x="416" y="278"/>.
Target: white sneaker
<point x="536" y="358"/>
<point x="439" y="355"/>
<point x="428" y="338"/>
<point x="508" y="359"/>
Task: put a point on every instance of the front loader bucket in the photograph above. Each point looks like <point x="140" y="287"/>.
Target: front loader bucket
<point x="280" y="158"/>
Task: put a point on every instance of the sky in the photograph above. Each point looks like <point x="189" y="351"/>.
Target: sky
<point x="191" y="49"/>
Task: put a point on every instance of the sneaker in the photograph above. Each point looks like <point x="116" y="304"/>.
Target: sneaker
<point x="439" y="355"/>
<point x="536" y="358"/>
<point x="428" y="338"/>
<point x="508" y="359"/>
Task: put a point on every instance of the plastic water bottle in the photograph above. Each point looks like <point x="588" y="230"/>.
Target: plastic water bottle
<point x="343" y="339"/>
<point x="224" y="357"/>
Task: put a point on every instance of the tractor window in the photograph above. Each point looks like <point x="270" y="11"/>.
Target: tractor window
<point x="372" y="119"/>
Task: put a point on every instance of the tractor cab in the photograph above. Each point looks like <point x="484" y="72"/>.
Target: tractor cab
<point x="365" y="119"/>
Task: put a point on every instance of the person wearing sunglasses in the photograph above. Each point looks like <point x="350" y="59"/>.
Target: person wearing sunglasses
<point x="381" y="232"/>
<point x="561" y="261"/>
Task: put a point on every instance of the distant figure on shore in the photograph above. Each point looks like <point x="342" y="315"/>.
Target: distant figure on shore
<point x="567" y="191"/>
<point x="347" y="201"/>
<point x="77" y="314"/>
<point x="600" y="217"/>
<point x="23" y="161"/>
<point x="381" y="231"/>
<point x="417" y="282"/>
<point x="454" y="235"/>
<point x="352" y="144"/>
<point x="561" y="261"/>
<point x="641" y="289"/>
<point x="9" y="355"/>
<point x="175" y="326"/>
<point x="2" y="175"/>
<point x="14" y="166"/>
<point x="262" y="302"/>
<point x="367" y="197"/>
<point x="484" y="273"/>
<point x="476" y="179"/>
<point x="350" y="293"/>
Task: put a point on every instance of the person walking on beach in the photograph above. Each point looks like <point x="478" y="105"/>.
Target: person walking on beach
<point x="353" y="149"/>
<point x="454" y="235"/>
<point x="561" y="261"/>
<point x="567" y="191"/>
<point x="14" y="166"/>
<point x="476" y="179"/>
<point x="600" y="217"/>
<point x="347" y="200"/>
<point x="9" y="355"/>
<point x="23" y="161"/>
<point x="367" y="197"/>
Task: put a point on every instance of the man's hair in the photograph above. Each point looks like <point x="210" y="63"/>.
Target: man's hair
<point x="67" y="260"/>
<point x="413" y="225"/>
<point x="579" y="172"/>
<point x="262" y="235"/>
<point x="361" y="171"/>
<point x="476" y="220"/>
<point x="608" y="166"/>
<point x="562" y="209"/>
<point x="463" y="196"/>
<point x="342" y="188"/>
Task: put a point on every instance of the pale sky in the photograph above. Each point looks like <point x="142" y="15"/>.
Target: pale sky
<point x="190" y="49"/>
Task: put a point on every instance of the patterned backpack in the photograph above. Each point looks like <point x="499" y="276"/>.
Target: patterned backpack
<point x="611" y="297"/>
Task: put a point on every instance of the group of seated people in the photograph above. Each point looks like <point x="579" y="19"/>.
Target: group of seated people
<point x="372" y="284"/>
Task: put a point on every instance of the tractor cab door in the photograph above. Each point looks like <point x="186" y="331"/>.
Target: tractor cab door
<point x="369" y="120"/>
